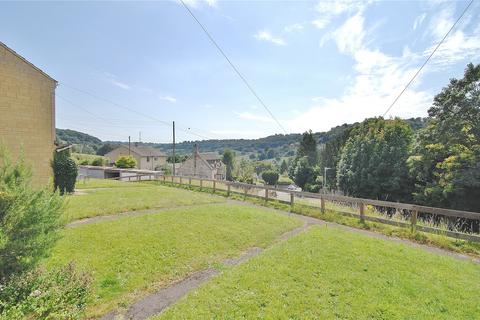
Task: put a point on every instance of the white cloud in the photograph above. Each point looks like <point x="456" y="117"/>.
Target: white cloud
<point x="168" y="98"/>
<point x="265" y="35"/>
<point x="321" y="23"/>
<point x="254" y="117"/>
<point x="113" y="80"/>
<point x="378" y="79"/>
<point x="198" y="3"/>
<point x="418" y="21"/>
<point x="293" y="27"/>
<point x="329" y="10"/>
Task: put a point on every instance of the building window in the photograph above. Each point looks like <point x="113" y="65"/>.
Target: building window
<point x="155" y="158"/>
<point x="148" y="159"/>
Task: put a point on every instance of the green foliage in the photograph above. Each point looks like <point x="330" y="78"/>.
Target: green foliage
<point x="98" y="162"/>
<point x="304" y="175"/>
<point x="270" y="177"/>
<point x="244" y="171"/>
<point x="283" y="166"/>
<point x="229" y="160"/>
<point x="106" y="148"/>
<point x="308" y="148"/>
<point x="126" y="162"/>
<point x="65" y="172"/>
<point x="179" y="158"/>
<point x="82" y="142"/>
<point x="29" y="218"/>
<point x="446" y="159"/>
<point x="51" y="295"/>
<point x="373" y="161"/>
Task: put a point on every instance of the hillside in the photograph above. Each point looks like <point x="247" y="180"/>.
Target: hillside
<point x="278" y="145"/>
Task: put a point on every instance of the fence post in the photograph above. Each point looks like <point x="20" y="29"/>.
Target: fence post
<point x="189" y="183"/>
<point x="245" y="193"/>
<point x="362" y="212"/>
<point x="322" y="205"/>
<point x="214" y="185"/>
<point x="164" y="179"/>
<point x="413" y="220"/>
<point x="201" y="184"/>
<point x="292" y="200"/>
<point x="228" y="190"/>
<point x="181" y="181"/>
<point x="266" y="195"/>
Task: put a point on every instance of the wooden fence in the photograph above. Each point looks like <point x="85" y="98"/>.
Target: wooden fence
<point x="412" y="216"/>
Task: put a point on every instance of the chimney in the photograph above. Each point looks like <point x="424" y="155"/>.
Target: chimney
<point x="136" y="144"/>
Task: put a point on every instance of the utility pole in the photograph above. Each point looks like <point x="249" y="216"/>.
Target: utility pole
<point x="139" y="136"/>
<point x="128" y="145"/>
<point x="173" y="170"/>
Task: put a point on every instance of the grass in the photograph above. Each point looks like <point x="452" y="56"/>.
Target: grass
<point x="332" y="215"/>
<point x="327" y="273"/>
<point x="132" y="255"/>
<point x="125" y="196"/>
<point x="91" y="183"/>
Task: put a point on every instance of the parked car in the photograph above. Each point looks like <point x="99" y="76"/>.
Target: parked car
<point x="293" y="187"/>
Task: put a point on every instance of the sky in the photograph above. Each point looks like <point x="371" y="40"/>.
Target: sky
<point x="131" y="68"/>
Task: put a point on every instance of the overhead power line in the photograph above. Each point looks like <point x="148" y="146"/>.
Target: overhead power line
<point x="428" y="59"/>
<point x="166" y="123"/>
<point x="233" y="66"/>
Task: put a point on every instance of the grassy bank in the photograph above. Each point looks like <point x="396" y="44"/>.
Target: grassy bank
<point x="327" y="273"/>
<point x="133" y="255"/>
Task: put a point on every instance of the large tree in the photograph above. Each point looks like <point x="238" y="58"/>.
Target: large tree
<point x="373" y="161"/>
<point x="228" y="159"/>
<point x="308" y="148"/>
<point x="446" y="159"/>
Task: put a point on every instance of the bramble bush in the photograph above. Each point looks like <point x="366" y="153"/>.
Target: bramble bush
<point x="56" y="294"/>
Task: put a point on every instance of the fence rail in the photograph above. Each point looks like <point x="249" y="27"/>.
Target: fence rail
<point x="413" y="215"/>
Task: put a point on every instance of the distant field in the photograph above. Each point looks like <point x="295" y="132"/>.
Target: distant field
<point x="327" y="273"/>
<point x="143" y="252"/>
<point x="114" y="197"/>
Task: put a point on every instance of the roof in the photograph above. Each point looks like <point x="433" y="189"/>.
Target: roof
<point x="210" y="156"/>
<point x="27" y="62"/>
<point x="146" y="151"/>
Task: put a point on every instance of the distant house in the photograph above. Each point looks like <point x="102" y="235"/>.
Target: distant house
<point x="203" y="165"/>
<point x="27" y="113"/>
<point x="148" y="158"/>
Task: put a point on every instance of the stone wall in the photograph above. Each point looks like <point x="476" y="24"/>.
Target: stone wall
<point x="27" y="113"/>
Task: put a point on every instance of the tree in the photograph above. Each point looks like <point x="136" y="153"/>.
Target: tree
<point x="29" y="219"/>
<point x="270" y="177"/>
<point x="446" y="159"/>
<point x="303" y="173"/>
<point x="126" y="162"/>
<point x="228" y="159"/>
<point x="283" y="166"/>
<point x="373" y="162"/>
<point x="65" y="172"/>
<point x="308" y="148"/>
<point x="106" y="148"/>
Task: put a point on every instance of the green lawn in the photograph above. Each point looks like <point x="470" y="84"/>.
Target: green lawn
<point x="327" y="273"/>
<point x="124" y="196"/>
<point x="149" y="251"/>
<point x="106" y="183"/>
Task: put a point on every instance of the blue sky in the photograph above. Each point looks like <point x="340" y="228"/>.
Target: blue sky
<point x="316" y="64"/>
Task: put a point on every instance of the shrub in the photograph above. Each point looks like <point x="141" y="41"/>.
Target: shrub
<point x="126" y="162"/>
<point x="97" y="162"/>
<point x="65" y="172"/>
<point x="29" y="218"/>
<point x="84" y="162"/>
<point x="56" y="294"/>
<point x="270" y="177"/>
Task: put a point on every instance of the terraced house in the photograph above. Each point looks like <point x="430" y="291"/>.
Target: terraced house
<point x="27" y="112"/>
